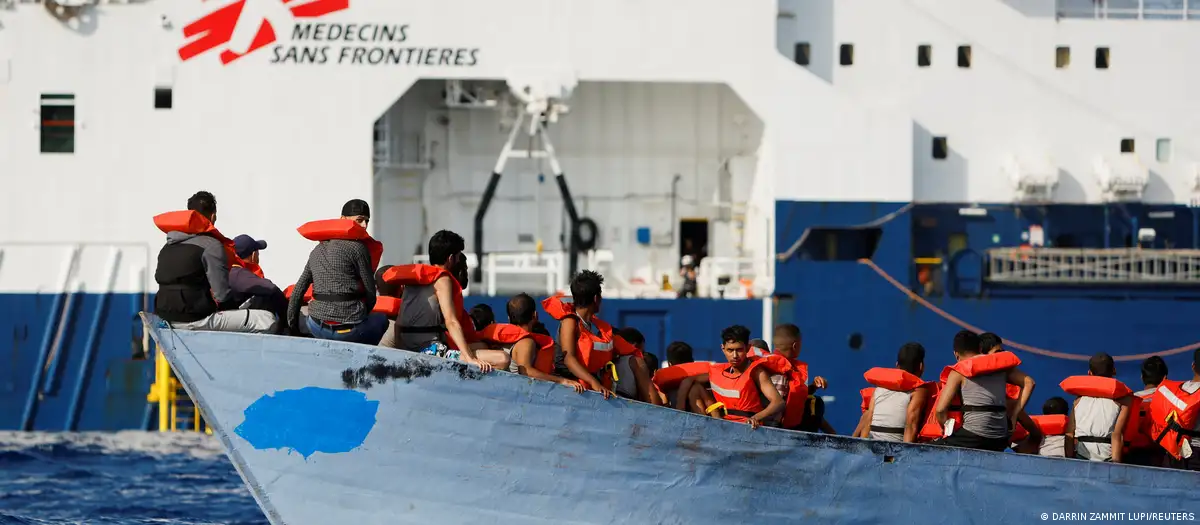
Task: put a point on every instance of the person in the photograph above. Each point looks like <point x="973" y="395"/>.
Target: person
<point x="482" y="316"/>
<point x="531" y="353"/>
<point x="1142" y="450"/>
<point x="625" y="385"/>
<point x="979" y="379"/>
<point x="759" y="348"/>
<point x="193" y="274"/>
<point x="432" y="317"/>
<point x="798" y="393"/>
<point x="742" y="390"/>
<point x="1101" y="411"/>
<point x="248" y="282"/>
<point x="991" y="343"/>
<point x="588" y="342"/>
<point x="676" y="380"/>
<point x="1174" y="422"/>
<point x="900" y="401"/>
<point x="1052" y="426"/>
<point x="341" y="272"/>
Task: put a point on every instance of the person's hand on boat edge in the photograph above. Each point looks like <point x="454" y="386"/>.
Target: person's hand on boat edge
<point x="484" y="366"/>
<point x="754" y="423"/>
<point x="579" y="389"/>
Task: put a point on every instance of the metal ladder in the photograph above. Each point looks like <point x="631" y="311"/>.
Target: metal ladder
<point x="176" y="410"/>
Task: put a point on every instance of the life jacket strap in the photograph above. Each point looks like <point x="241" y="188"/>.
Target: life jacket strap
<point x="887" y="430"/>
<point x="1103" y="440"/>
<point x="982" y="408"/>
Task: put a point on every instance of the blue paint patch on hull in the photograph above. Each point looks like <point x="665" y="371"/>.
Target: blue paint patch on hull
<point x="309" y="420"/>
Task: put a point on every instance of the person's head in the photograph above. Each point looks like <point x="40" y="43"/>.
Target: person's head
<point x="539" y="328"/>
<point x="1154" y="370"/>
<point x="1196" y="363"/>
<point x="633" y="336"/>
<point x="679" y="353"/>
<point x="760" y="344"/>
<point x="966" y="344"/>
<point x="911" y="358"/>
<point x="383" y="287"/>
<point x="1102" y="365"/>
<point x="735" y="342"/>
<point x="247" y="248"/>
<point x="460" y="273"/>
<point x="585" y="290"/>
<point x="358" y="211"/>
<point x="522" y="311"/>
<point x="446" y="250"/>
<point x="787" y="340"/>
<point x="1055" y="406"/>
<point x="990" y="343"/>
<point x="482" y="316"/>
<point x="652" y="362"/>
<point x="205" y="204"/>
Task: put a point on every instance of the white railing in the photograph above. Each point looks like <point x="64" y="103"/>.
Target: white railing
<point x="733" y="278"/>
<point x="1129" y="9"/>
<point x="1093" y="266"/>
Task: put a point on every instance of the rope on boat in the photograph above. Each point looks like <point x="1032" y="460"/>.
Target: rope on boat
<point x="1008" y="342"/>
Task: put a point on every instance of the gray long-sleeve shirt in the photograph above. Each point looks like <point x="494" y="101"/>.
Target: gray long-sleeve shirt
<point x="335" y="267"/>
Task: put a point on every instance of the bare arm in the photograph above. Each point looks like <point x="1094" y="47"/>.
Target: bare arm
<point x="916" y="408"/>
<point x="681" y="395"/>
<point x="1069" y="442"/>
<point x="445" y="297"/>
<point x="1019" y="378"/>
<point x="863" y="430"/>
<point x="523" y="354"/>
<point x="767" y="388"/>
<point x="641" y="374"/>
<point x="568" y="339"/>
<point x="1118" y="434"/>
<point x="949" y="392"/>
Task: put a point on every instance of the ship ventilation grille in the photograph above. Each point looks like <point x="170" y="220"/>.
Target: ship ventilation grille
<point x="1032" y="179"/>
<point x="1122" y="177"/>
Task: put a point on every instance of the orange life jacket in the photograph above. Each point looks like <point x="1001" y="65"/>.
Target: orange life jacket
<point x="1173" y="414"/>
<point x="287" y="292"/>
<point x="737" y="393"/>
<point x="425" y="275"/>
<point x="510" y="334"/>
<point x="344" y="229"/>
<point x="1051" y="425"/>
<point x="387" y="305"/>
<point x="1105" y="388"/>
<point x="192" y="223"/>
<point x="979" y="365"/>
<point x="1142" y="438"/>
<point x="896" y="380"/>
<point x="758" y="352"/>
<point x="594" y="350"/>
<point x="669" y="378"/>
<point x="797" y="395"/>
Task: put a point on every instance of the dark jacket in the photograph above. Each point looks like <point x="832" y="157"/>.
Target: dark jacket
<point x="257" y="293"/>
<point x="193" y="278"/>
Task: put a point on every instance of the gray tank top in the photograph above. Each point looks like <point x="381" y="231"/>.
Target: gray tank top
<point x="418" y="307"/>
<point x="891" y="411"/>
<point x="986" y="390"/>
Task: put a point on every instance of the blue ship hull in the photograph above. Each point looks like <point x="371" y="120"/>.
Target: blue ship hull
<point x="326" y="432"/>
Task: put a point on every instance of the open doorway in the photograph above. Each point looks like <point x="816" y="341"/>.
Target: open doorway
<point x="693" y="240"/>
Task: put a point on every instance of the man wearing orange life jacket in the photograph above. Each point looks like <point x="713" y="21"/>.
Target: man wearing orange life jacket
<point x="742" y="389"/>
<point x="193" y="274"/>
<point x="1142" y="450"/>
<point x="677" y="379"/>
<point x="1052" y="427"/>
<point x="991" y="343"/>
<point x="979" y="381"/>
<point x="341" y="271"/>
<point x="900" y="400"/>
<point x="531" y="354"/>
<point x="588" y="342"/>
<point x="804" y="410"/>
<point x="1101" y="412"/>
<point x="1174" y="421"/>
<point x="248" y="282"/>
<point x="432" y="318"/>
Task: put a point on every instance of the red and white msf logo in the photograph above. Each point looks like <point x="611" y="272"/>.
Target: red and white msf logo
<point x="249" y="25"/>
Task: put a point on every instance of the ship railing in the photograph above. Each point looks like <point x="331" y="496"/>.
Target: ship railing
<point x="733" y="278"/>
<point x="1071" y="266"/>
<point x="1129" y="9"/>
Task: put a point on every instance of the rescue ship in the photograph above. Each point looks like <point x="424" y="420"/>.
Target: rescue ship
<point x="328" y="432"/>
<point x="875" y="171"/>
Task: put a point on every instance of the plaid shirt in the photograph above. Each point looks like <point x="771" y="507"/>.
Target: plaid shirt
<point x="335" y="267"/>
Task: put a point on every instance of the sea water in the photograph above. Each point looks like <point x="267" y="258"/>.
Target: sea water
<point x="121" y="478"/>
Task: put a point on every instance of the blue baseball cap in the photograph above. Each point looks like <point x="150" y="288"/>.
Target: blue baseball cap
<point x="245" y="245"/>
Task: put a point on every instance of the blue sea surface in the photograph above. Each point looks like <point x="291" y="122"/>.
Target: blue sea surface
<point x="121" y="478"/>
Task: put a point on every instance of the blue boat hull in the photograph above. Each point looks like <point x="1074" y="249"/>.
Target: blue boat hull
<point x="324" y="432"/>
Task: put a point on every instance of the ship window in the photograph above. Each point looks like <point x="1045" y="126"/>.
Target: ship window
<point x="1101" y="58"/>
<point x="802" y="53"/>
<point x="1126" y="145"/>
<point x="57" y="123"/>
<point x="1163" y="150"/>
<point x="924" y="55"/>
<point x="846" y="54"/>
<point x="964" y="56"/>
<point x="162" y="98"/>
<point x="940" y="149"/>
<point x="1062" y="57"/>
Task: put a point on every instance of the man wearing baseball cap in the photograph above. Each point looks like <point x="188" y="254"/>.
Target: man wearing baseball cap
<point x="255" y="291"/>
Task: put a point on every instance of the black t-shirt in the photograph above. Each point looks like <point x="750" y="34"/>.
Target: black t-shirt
<point x="814" y="413"/>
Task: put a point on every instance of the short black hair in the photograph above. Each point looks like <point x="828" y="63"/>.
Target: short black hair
<point x="1102" y="365"/>
<point x="443" y="244"/>
<point x="585" y="288"/>
<point x="966" y="342"/>
<point x="1154" y="370"/>
<point x="1055" y="406"/>
<point x="760" y="343"/>
<point x="910" y="357"/>
<point x="482" y="316"/>
<point x="460" y="273"/>
<point x="521" y="309"/>
<point x="679" y="353"/>
<point x="735" y="334"/>
<point x="789" y="330"/>
<point x="652" y="362"/>
<point x="539" y="328"/>
<point x="632" y="336"/>
<point x="988" y="341"/>
<point x="203" y="203"/>
<point x="385" y="288"/>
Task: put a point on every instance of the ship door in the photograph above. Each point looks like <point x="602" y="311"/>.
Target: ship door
<point x="693" y="239"/>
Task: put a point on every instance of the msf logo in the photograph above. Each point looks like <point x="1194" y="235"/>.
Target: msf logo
<point x="249" y="25"/>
